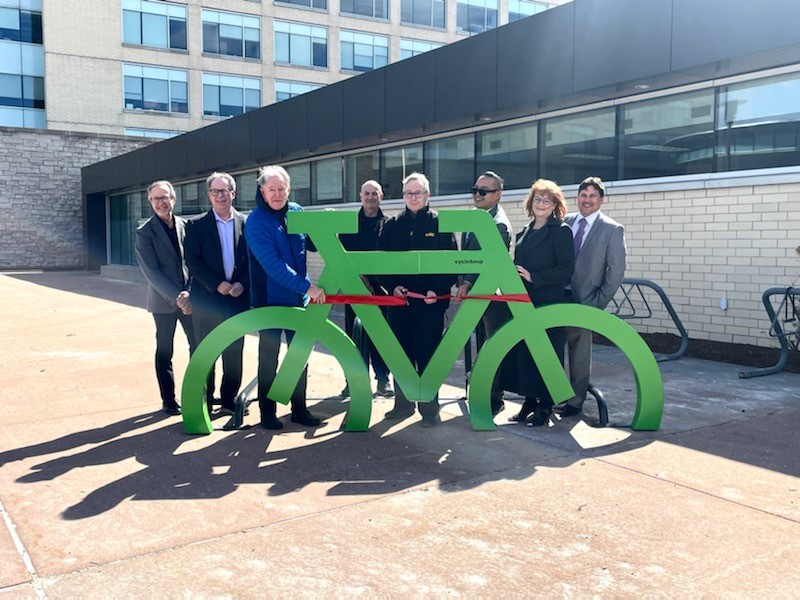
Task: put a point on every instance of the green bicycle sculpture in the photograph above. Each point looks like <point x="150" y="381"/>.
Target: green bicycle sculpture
<point x="343" y="270"/>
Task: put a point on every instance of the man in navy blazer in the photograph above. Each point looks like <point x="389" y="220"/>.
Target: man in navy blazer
<point x="216" y="254"/>
<point x="599" y="243"/>
<point x="160" y="253"/>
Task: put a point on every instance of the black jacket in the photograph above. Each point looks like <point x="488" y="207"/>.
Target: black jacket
<point x="548" y="254"/>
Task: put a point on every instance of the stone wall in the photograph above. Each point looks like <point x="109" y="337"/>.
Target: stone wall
<point x="42" y="208"/>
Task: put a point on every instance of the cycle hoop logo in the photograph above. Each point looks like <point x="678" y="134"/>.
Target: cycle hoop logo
<point x="343" y="270"/>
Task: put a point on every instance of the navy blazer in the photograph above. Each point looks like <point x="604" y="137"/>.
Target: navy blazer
<point x="204" y="259"/>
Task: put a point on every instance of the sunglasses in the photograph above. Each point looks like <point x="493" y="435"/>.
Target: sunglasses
<point x="482" y="191"/>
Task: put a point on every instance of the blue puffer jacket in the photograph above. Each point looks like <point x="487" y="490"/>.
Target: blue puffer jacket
<point x="278" y="275"/>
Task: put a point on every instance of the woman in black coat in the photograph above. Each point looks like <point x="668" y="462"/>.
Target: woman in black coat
<point x="545" y="260"/>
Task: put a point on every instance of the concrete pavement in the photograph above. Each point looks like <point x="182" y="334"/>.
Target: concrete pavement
<point x="101" y="495"/>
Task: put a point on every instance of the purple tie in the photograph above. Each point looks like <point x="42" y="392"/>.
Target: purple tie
<point x="576" y="243"/>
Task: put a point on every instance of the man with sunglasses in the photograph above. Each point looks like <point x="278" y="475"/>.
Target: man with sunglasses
<point x="216" y="254"/>
<point x="486" y="194"/>
<point x="370" y="224"/>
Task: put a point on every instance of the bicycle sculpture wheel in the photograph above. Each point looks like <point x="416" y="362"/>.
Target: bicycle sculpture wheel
<point x="343" y="270"/>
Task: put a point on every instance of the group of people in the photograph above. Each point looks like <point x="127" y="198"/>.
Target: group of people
<point x="203" y="271"/>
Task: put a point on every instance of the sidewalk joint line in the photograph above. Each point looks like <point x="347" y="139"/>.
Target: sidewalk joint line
<point x="26" y="559"/>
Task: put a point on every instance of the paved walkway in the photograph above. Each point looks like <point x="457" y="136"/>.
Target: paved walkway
<point x="103" y="496"/>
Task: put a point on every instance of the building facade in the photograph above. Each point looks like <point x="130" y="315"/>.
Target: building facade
<point x="157" y="69"/>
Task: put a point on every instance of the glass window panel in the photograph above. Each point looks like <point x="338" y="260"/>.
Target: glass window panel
<point x="396" y="163"/>
<point x="421" y="12"/>
<point x="252" y="99"/>
<point x="357" y="169"/>
<point x="211" y="100"/>
<point x="177" y="33"/>
<point x="668" y="136"/>
<point x="320" y="54"/>
<point x="156" y="94"/>
<point x="180" y="97"/>
<point x="580" y="145"/>
<point x="12" y="117"/>
<point x="347" y="55"/>
<point x="9" y="19"/>
<point x="439" y="13"/>
<point x="282" y="47"/>
<point x="10" y="90"/>
<point x="327" y="181"/>
<point x="300" y="50"/>
<point x="131" y="27"/>
<point x="300" y="176"/>
<point x="511" y="152"/>
<point x="231" y="101"/>
<point x="450" y="164"/>
<point x="154" y="30"/>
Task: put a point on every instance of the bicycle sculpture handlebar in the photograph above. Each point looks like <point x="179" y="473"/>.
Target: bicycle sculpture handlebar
<point x="343" y="270"/>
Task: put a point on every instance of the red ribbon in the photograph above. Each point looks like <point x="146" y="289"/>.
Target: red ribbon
<point x="395" y="301"/>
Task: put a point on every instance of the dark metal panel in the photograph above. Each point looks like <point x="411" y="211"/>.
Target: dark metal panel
<point x="535" y="60"/>
<point x="215" y="156"/>
<point x="161" y="158"/>
<point x="410" y="93"/>
<point x="178" y="161"/>
<point x="150" y="169"/>
<point x="465" y="74"/>
<point x="237" y="142"/>
<point x="325" y="116"/>
<point x="291" y="122"/>
<point x="195" y="146"/>
<point x="717" y="30"/>
<point x="364" y="104"/>
<point x="262" y="135"/>
<point x="620" y="40"/>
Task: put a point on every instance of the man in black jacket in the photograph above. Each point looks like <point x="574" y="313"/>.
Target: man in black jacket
<point x="216" y="254"/>
<point x="418" y="326"/>
<point x="370" y="223"/>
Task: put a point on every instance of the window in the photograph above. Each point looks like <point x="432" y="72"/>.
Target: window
<point x="357" y="169"/>
<point x="366" y="8"/>
<point x="21" y="90"/>
<point x="578" y="145"/>
<point x="423" y="12"/>
<point x="161" y="134"/>
<point x="476" y="16"/>
<point x="519" y="9"/>
<point x="300" y="184"/>
<point x="759" y="124"/>
<point x="450" y="164"/>
<point x="409" y="48"/>
<point x="299" y="44"/>
<point x="246" y="190"/>
<point x="289" y="89"/>
<point x="154" y="24"/>
<point x="396" y="163"/>
<point x="231" y="34"/>
<point x="20" y="25"/>
<point x="326" y="181"/>
<point x="321" y="4"/>
<point x="668" y="136"/>
<point x="228" y="96"/>
<point x="153" y="88"/>
<point x="363" y="52"/>
<point x="511" y="152"/>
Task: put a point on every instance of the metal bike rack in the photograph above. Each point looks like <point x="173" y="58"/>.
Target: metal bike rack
<point x="787" y="313"/>
<point x="626" y="309"/>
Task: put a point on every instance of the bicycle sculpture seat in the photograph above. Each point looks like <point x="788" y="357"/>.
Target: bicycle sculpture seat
<point x="343" y="270"/>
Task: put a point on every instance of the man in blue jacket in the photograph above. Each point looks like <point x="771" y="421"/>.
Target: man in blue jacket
<point x="278" y="277"/>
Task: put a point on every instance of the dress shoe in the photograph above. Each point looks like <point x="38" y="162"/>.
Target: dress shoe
<point x="526" y="411"/>
<point x="429" y="420"/>
<point x="570" y="411"/>
<point x="345" y="392"/>
<point x="384" y="389"/>
<point x="399" y="413"/>
<point x="306" y="419"/>
<point x="271" y="423"/>
<point x="171" y="408"/>
<point x="540" y="416"/>
<point x="497" y="407"/>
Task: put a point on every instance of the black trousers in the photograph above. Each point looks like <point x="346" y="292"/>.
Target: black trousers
<point x="166" y="323"/>
<point x="205" y="321"/>
<point x="378" y="364"/>
<point x="419" y="331"/>
<point x="269" y="345"/>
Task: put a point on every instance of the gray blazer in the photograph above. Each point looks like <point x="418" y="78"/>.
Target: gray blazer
<point x="600" y="265"/>
<point x="165" y="271"/>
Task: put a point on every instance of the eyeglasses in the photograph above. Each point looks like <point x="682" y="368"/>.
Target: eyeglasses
<point x="543" y="200"/>
<point x="482" y="191"/>
<point x="161" y="199"/>
<point x="223" y="192"/>
<point x="414" y="194"/>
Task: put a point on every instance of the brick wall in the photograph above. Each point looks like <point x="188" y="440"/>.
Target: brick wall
<point x="42" y="224"/>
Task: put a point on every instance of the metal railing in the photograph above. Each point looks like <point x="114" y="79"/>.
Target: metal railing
<point x="785" y="315"/>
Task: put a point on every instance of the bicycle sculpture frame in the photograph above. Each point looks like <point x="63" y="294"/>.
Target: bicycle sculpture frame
<point x="343" y="270"/>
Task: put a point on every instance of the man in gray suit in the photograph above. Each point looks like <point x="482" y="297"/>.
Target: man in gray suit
<point x="159" y="250"/>
<point x="599" y="245"/>
<point x="486" y="194"/>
